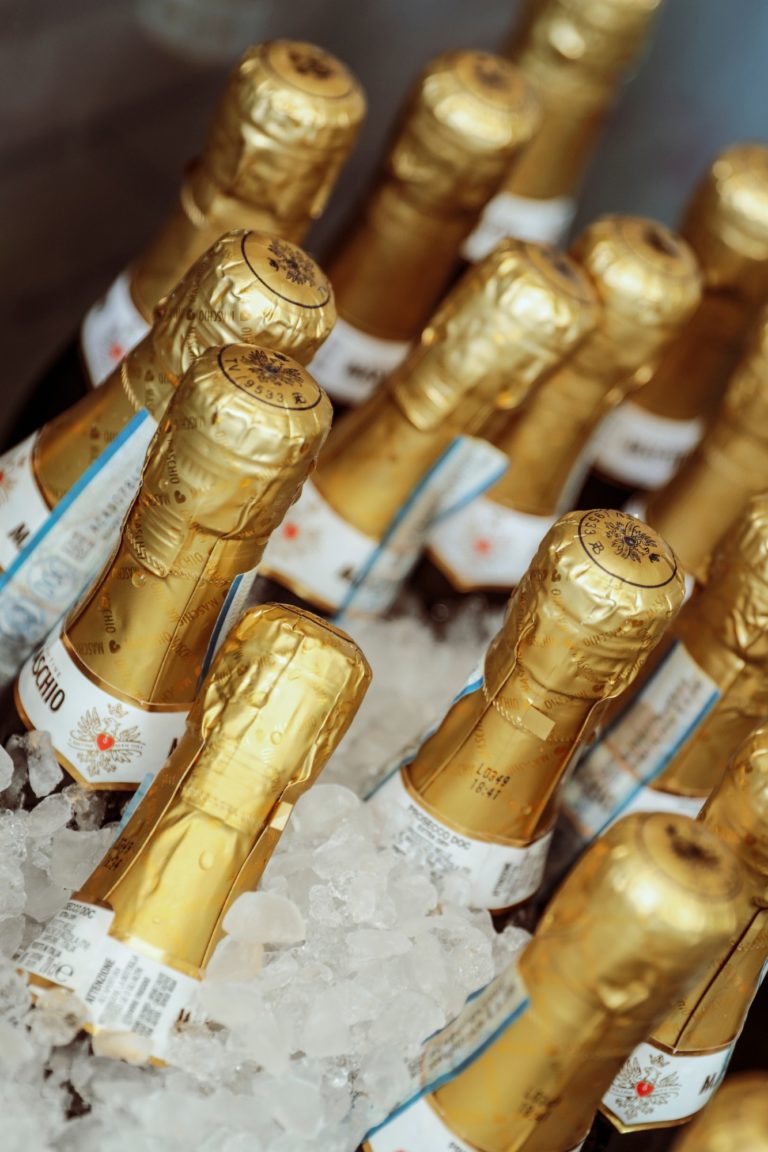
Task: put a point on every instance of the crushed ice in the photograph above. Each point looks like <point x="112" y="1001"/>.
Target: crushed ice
<point x="332" y="974"/>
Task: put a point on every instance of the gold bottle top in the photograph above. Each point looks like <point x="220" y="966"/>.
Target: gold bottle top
<point x="726" y="224"/>
<point x="279" y="698"/>
<point x="596" y="599"/>
<point x="648" y="284"/>
<point x="237" y="442"/>
<point x="730" y="465"/>
<point x="737" y="811"/>
<point x="467" y="116"/>
<point x="249" y="287"/>
<point x="633" y="926"/>
<point x="574" y="53"/>
<point x="284" y="127"/>
<point x="511" y="318"/>
<point x="736" y="1120"/>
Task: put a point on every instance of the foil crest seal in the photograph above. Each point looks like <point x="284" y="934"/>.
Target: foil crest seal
<point x="230" y="456"/>
<point x="512" y="317"/>
<point x="244" y="281"/>
<point x="284" y="126"/>
<point x="598" y="595"/>
<point x="227" y="790"/>
<point x="468" y="115"/>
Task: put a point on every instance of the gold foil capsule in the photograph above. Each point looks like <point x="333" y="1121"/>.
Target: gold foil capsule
<point x="468" y="115"/>
<point x="729" y="466"/>
<point x="648" y="283"/>
<point x="283" y="129"/>
<point x="250" y="287"/>
<point x="599" y="593"/>
<point x="632" y="928"/>
<point x="279" y="698"/>
<point x="736" y="1120"/>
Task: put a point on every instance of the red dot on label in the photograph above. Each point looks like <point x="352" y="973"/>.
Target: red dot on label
<point x="104" y="741"/>
<point x="116" y="351"/>
<point x="643" y="1088"/>
<point x="290" y="531"/>
<point x="482" y="546"/>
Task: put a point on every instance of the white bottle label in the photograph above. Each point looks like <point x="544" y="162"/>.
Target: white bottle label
<point x="543" y="221"/>
<point x="69" y="546"/>
<point x="22" y="505"/>
<point x="123" y="990"/>
<point x="104" y="742"/>
<point x="111" y="328"/>
<point x="343" y="570"/>
<point x="487" y="545"/>
<point x="659" y="1087"/>
<point x="417" y="1128"/>
<point x="500" y="874"/>
<point x="616" y="775"/>
<point x="641" y="449"/>
<point x="350" y="365"/>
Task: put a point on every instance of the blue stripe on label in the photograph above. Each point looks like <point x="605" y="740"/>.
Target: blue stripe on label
<point x="470" y="496"/>
<point x="473" y="686"/>
<point x="446" y="1077"/>
<point x="220" y="620"/>
<point x="644" y="781"/>
<point x="87" y="477"/>
<point x="133" y="803"/>
<point x="395" y="523"/>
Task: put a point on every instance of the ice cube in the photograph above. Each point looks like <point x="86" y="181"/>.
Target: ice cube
<point x="44" y="770"/>
<point x="320" y="811"/>
<point x="6" y="769"/>
<point x="127" y="1046"/>
<point x="325" y="1032"/>
<point x="368" y="944"/>
<point x="264" y="918"/>
<point x="49" y="815"/>
<point x="235" y="960"/>
<point x="74" y="855"/>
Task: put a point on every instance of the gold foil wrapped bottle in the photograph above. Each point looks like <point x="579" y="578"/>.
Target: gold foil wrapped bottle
<point x="673" y="1074"/>
<point x="114" y="686"/>
<point x="65" y="490"/>
<point x="278" y="700"/>
<point x="574" y="53"/>
<point x="726" y="224"/>
<point x="479" y="795"/>
<point x="730" y="465"/>
<point x="468" y="115"/>
<point x="408" y="453"/>
<point x="648" y="285"/>
<point x="632" y="929"/>
<point x="736" y="1119"/>
<point x="284" y="126"/>
<point x="666" y="743"/>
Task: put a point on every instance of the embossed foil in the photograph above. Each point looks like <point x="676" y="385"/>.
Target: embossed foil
<point x="631" y="929"/>
<point x="724" y="628"/>
<point x="574" y="53"/>
<point x="510" y="320"/>
<point x="730" y="465"/>
<point x="283" y="129"/>
<point x="736" y="1120"/>
<point x="278" y="700"/>
<point x="649" y="284"/>
<point x="240" y="436"/>
<point x="726" y="225"/>
<point x="596" y="599"/>
<point x="249" y="287"/>
<point x="468" y="115"/>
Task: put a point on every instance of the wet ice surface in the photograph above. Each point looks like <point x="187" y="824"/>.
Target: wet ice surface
<point x="333" y="973"/>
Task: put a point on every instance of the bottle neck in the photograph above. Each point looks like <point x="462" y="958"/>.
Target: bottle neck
<point x="544" y="444"/>
<point x="145" y="636"/>
<point x="203" y="213"/>
<point x="690" y="379"/>
<point x="539" y="1084"/>
<point x="393" y="269"/>
<point x="495" y="763"/>
<point x="67" y="446"/>
<point x="373" y="461"/>
<point x="708" y="493"/>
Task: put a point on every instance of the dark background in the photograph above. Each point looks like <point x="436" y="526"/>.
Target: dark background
<point x="103" y="100"/>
